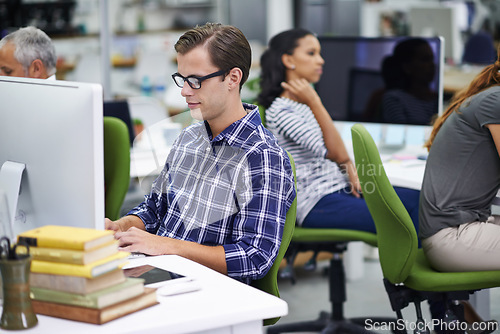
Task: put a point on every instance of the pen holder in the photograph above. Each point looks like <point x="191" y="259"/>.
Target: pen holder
<point x="17" y="310"/>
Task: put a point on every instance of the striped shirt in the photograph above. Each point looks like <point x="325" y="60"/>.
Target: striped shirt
<point x="233" y="190"/>
<point x="298" y="132"/>
<point x="401" y="107"/>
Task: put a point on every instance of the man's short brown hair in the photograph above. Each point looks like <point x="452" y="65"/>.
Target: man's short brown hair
<point x="226" y="45"/>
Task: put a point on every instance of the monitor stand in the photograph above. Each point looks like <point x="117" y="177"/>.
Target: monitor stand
<point x="11" y="175"/>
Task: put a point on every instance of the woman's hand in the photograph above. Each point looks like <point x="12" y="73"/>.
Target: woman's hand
<point x="302" y="91"/>
<point x="352" y="173"/>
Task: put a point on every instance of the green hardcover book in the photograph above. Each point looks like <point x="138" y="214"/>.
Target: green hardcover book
<point x="130" y="288"/>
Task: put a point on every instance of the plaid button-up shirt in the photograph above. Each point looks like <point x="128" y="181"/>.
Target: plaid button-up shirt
<point x="233" y="190"/>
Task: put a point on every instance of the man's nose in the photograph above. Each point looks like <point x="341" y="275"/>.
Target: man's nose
<point x="186" y="89"/>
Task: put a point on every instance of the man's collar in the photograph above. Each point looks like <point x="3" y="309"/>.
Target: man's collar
<point x="248" y="123"/>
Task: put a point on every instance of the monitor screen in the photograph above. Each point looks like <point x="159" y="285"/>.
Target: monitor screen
<point x="352" y="86"/>
<point x="53" y="130"/>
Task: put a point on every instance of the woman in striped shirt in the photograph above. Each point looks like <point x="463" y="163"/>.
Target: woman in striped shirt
<point x="327" y="181"/>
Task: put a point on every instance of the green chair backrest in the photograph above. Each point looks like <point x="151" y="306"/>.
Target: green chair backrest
<point x="116" y="165"/>
<point x="397" y="238"/>
<point x="269" y="283"/>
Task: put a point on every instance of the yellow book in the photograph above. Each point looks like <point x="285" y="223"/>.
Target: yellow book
<point x="90" y="270"/>
<point x="72" y="255"/>
<point x="67" y="237"/>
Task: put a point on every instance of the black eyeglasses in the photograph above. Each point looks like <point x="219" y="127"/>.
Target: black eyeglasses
<point x="194" y="81"/>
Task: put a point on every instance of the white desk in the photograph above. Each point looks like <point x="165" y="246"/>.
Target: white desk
<point x="405" y="173"/>
<point x="222" y="305"/>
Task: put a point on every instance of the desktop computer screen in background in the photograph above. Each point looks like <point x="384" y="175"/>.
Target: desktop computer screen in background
<point x="55" y="130"/>
<point x="352" y="75"/>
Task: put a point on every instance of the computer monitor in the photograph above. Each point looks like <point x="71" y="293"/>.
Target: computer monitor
<point x="51" y="155"/>
<point x="352" y="74"/>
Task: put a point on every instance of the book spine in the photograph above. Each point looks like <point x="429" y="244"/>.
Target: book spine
<point x="89" y="270"/>
<point x="46" y="267"/>
<point x="96" y="316"/>
<point x="51" y="243"/>
<point x="62" y="297"/>
<point x="66" y="311"/>
<point x="119" y="292"/>
<point x="57" y="255"/>
<point x="72" y="256"/>
<point x="75" y="284"/>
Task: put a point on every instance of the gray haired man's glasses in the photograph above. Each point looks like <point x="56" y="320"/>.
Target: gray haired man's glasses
<point x="194" y="81"/>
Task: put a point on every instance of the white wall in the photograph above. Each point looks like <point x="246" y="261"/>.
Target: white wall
<point x="279" y="16"/>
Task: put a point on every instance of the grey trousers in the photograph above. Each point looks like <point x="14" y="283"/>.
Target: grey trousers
<point x="468" y="247"/>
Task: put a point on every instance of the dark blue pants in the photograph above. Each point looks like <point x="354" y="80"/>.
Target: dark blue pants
<point x="343" y="210"/>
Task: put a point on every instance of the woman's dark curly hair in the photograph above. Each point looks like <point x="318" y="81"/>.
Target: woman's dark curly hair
<point x="272" y="68"/>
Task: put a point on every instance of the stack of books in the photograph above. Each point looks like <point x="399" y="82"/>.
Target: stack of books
<point x="76" y="274"/>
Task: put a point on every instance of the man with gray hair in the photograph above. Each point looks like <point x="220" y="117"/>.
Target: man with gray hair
<point x="28" y="52"/>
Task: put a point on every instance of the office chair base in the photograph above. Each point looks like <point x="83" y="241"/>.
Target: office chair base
<point x="326" y="325"/>
<point x="333" y="322"/>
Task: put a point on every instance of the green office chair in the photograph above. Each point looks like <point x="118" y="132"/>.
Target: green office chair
<point x="269" y="283"/>
<point x="408" y="277"/>
<point x="116" y="165"/>
<point x="333" y="241"/>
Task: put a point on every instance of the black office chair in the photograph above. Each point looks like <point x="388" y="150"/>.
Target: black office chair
<point x="120" y="109"/>
<point x="480" y="49"/>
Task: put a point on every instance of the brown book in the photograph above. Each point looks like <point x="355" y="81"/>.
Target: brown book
<point x="96" y="316"/>
<point x="76" y="284"/>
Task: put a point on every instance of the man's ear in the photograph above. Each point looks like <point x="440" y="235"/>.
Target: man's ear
<point x="234" y="78"/>
<point x="37" y="70"/>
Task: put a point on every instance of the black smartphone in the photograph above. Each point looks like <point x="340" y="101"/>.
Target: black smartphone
<point x="153" y="276"/>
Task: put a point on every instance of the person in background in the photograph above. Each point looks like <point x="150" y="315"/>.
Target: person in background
<point x="462" y="178"/>
<point x="408" y="74"/>
<point x="223" y="194"/>
<point x="328" y="189"/>
<point x="479" y="49"/>
<point x="28" y="52"/>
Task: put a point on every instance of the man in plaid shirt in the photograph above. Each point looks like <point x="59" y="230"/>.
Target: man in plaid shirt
<point x="222" y="196"/>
